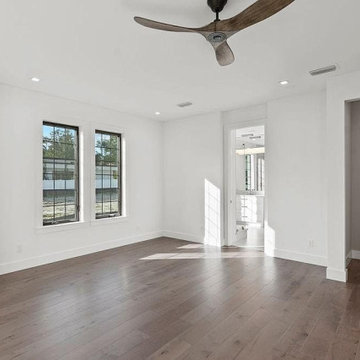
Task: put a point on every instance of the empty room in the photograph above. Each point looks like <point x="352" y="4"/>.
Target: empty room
<point x="180" y="180"/>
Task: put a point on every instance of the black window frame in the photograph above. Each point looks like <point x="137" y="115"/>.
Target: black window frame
<point x="120" y="180"/>
<point x="76" y="175"/>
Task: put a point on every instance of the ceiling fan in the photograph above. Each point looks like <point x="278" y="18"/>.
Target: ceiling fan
<point x="219" y="31"/>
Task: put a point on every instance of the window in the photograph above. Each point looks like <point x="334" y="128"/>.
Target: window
<point x="254" y="172"/>
<point x="108" y="174"/>
<point x="60" y="174"/>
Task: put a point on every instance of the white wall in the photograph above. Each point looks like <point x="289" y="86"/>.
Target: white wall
<point x="305" y="202"/>
<point x="340" y="90"/>
<point x="23" y="243"/>
<point x="295" y="176"/>
<point x="295" y="184"/>
<point x="355" y="176"/>
<point x="193" y="153"/>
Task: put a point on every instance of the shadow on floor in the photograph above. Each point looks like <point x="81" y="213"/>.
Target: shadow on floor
<point x="354" y="272"/>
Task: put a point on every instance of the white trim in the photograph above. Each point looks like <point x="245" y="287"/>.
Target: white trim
<point x="183" y="236"/>
<point x="82" y="133"/>
<point x="109" y="221"/>
<point x="301" y="257"/>
<point x="62" y="227"/>
<point x="336" y="274"/>
<point x="124" y="188"/>
<point x="355" y="254"/>
<point x="68" y="254"/>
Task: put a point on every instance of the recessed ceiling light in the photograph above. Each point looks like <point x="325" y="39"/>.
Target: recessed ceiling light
<point x="35" y="79"/>
<point x="157" y="113"/>
<point x="284" y="82"/>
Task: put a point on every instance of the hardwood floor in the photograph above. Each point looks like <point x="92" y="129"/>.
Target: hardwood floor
<point x="169" y="299"/>
<point x="354" y="272"/>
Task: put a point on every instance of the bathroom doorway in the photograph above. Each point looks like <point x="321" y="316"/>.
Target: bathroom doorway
<point x="249" y="187"/>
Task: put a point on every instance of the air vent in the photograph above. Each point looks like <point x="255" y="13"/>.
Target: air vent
<point x="254" y="137"/>
<point x="323" y="70"/>
<point x="185" y="104"/>
<point x="247" y="135"/>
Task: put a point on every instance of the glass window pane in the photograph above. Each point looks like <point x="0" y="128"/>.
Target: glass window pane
<point x="59" y="166"/>
<point x="106" y="207"/>
<point x="70" y="136"/>
<point x="59" y="150"/>
<point x="59" y="134"/>
<point x="107" y="156"/>
<point x="48" y="182"/>
<point x="48" y="166"/>
<point x="106" y="170"/>
<point x="106" y="181"/>
<point x="48" y="150"/>
<point x="114" y="207"/>
<point x="105" y="140"/>
<point x="70" y="197"/>
<point x="48" y="197"/>
<point x="106" y="195"/>
<point x="70" y="151"/>
<point x="114" y="183"/>
<point x="98" y="140"/>
<point x="98" y="169"/>
<point x="114" y="194"/>
<point x="99" y="196"/>
<point x="60" y="178"/>
<point x="48" y="133"/>
<point x="70" y="212"/>
<point x="48" y="213"/>
<point x="60" y="197"/>
<point x="114" y="141"/>
<point x="59" y="212"/>
<point x="98" y="182"/>
<point x="98" y="208"/>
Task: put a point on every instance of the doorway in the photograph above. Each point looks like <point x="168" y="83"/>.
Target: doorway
<point x="352" y="136"/>
<point x="246" y="187"/>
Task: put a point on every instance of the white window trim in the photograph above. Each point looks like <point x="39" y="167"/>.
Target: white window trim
<point x="124" y="188"/>
<point x="83" y="221"/>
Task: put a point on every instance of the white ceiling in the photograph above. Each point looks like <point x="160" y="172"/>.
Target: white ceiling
<point x="93" y="51"/>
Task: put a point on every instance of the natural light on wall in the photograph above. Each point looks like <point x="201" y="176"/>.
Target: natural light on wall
<point x="212" y="214"/>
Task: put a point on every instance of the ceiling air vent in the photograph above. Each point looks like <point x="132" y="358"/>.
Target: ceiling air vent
<point x="323" y="70"/>
<point x="185" y="104"/>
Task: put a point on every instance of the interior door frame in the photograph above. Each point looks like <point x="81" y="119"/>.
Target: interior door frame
<point x="229" y="176"/>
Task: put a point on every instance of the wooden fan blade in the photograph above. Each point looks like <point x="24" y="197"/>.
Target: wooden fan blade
<point x="259" y="11"/>
<point x="161" y="26"/>
<point x="224" y="54"/>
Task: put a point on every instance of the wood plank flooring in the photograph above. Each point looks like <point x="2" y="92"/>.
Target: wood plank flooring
<point x="174" y="300"/>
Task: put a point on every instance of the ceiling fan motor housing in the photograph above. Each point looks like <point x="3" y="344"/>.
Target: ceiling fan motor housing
<point x="217" y="5"/>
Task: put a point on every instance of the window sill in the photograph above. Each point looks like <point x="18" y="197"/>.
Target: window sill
<point x="61" y="227"/>
<point x="112" y="220"/>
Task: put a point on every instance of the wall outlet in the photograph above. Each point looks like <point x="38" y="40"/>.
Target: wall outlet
<point x="311" y="243"/>
<point x="19" y="248"/>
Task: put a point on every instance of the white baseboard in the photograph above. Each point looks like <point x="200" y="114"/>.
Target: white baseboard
<point x="355" y="254"/>
<point x="182" y="236"/>
<point x="336" y="274"/>
<point x="68" y="254"/>
<point x="301" y="257"/>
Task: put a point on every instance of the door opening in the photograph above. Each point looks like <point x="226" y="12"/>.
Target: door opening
<point x="249" y="187"/>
